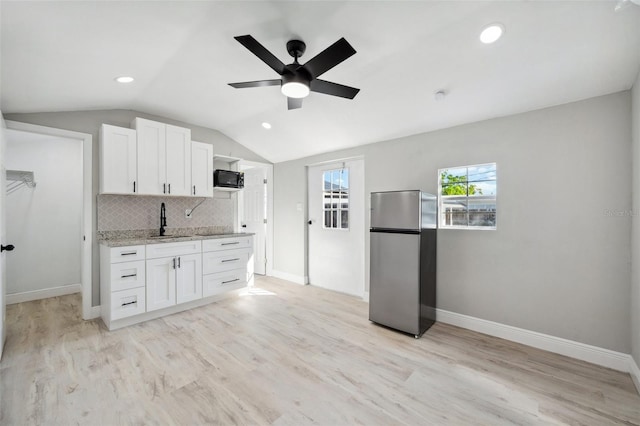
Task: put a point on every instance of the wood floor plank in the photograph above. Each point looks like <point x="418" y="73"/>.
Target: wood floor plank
<point x="286" y="354"/>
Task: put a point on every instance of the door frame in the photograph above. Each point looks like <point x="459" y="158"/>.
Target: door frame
<point x="86" y="263"/>
<point x="364" y="217"/>
<point x="269" y="234"/>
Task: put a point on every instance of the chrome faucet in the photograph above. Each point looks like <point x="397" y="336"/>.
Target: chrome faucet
<point x="163" y="219"/>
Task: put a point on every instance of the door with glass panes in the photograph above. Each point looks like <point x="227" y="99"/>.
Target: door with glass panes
<point x="336" y="212"/>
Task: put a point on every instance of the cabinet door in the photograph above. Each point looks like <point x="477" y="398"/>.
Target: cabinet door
<point x="117" y="160"/>
<point x="152" y="156"/>
<point x="178" y="160"/>
<point x="161" y="283"/>
<point x="189" y="278"/>
<point x="201" y="169"/>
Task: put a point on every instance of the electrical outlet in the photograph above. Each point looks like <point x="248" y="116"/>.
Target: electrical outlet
<point x="187" y="213"/>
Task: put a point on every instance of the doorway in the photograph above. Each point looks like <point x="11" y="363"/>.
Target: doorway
<point x="25" y="143"/>
<point x="336" y="212"/>
<point x="255" y="212"/>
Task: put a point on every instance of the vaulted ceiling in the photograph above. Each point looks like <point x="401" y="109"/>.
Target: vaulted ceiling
<point x="63" y="56"/>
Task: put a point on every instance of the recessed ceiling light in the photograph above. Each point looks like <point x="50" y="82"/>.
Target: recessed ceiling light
<point x="124" y="79"/>
<point x="491" y="33"/>
<point x="266" y="125"/>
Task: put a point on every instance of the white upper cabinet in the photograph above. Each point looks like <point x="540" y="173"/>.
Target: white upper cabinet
<point x="178" y="160"/>
<point x="201" y="169"/>
<point x="118" y="160"/>
<point x="164" y="158"/>
<point x="152" y="156"/>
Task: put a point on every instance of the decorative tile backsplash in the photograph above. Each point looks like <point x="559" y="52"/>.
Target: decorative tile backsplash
<point x="131" y="212"/>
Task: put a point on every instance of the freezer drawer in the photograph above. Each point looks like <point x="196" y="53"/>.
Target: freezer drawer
<point x="395" y="210"/>
<point x="394" y="292"/>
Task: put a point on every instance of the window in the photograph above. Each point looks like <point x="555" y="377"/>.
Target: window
<point x="335" y="203"/>
<point x="467" y="196"/>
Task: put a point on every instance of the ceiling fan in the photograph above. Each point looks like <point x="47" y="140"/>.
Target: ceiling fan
<point x="298" y="80"/>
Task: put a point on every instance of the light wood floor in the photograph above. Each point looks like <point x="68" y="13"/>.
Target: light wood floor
<point x="288" y="355"/>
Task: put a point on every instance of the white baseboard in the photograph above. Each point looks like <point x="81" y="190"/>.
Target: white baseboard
<point x="46" y="293"/>
<point x="365" y="296"/>
<point x="635" y="372"/>
<point x="593" y="354"/>
<point x="298" y="279"/>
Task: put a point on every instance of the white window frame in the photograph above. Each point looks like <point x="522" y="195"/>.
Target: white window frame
<point x="339" y="208"/>
<point x="441" y="222"/>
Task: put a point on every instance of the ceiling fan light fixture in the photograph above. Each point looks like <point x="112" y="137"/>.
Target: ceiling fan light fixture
<point x="491" y="33"/>
<point x="295" y="89"/>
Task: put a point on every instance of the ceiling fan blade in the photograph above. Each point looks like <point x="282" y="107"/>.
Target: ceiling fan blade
<point x="259" y="83"/>
<point x="294" y="103"/>
<point x="261" y="52"/>
<point x="335" y="89"/>
<point x="329" y="57"/>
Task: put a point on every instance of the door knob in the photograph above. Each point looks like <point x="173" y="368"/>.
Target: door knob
<point x="9" y="247"/>
<point x="310" y="222"/>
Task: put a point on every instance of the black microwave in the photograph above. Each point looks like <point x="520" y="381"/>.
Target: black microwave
<point x="228" y="179"/>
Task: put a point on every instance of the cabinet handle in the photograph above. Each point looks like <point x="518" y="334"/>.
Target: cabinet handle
<point x="129" y="254"/>
<point x="230" y="244"/>
<point x="194" y="190"/>
<point x="164" y="188"/>
<point x="134" y="186"/>
<point x="129" y="276"/>
<point x="178" y="262"/>
<point x="230" y="260"/>
<point x="169" y="188"/>
<point x="174" y="263"/>
<point x="230" y="281"/>
<point x="129" y="303"/>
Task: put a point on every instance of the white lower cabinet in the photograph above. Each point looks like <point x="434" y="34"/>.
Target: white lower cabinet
<point x="161" y="283"/>
<point x="122" y="282"/>
<point x="226" y="264"/>
<point x="126" y="303"/>
<point x="189" y="278"/>
<point x="140" y="281"/>
<point x="221" y="282"/>
<point x="173" y="279"/>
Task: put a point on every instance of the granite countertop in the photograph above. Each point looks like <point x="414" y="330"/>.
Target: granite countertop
<point x="135" y="238"/>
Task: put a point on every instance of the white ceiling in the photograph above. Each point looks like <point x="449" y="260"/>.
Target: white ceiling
<point x="62" y="56"/>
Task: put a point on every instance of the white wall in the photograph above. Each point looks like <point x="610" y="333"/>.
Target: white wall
<point x="635" y="281"/>
<point x="557" y="263"/>
<point x="44" y="223"/>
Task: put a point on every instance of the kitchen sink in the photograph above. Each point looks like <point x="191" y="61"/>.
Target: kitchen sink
<point x="161" y="237"/>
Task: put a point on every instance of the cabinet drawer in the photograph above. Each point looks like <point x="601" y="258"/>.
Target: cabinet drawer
<point x="127" y="303"/>
<point x="223" y="281"/>
<point x="227" y="243"/>
<point x="155" y="251"/>
<point x="226" y="260"/>
<point x="126" y="275"/>
<point x="127" y="254"/>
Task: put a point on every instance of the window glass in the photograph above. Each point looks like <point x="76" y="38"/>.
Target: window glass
<point x="467" y="196"/>
<point x="335" y="196"/>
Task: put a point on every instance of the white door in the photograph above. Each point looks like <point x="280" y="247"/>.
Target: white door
<point x="189" y="278"/>
<point x="254" y="213"/>
<point x="178" y="140"/>
<point x="3" y="235"/>
<point x="161" y="283"/>
<point x="152" y="156"/>
<point x="202" y="169"/>
<point x="336" y="209"/>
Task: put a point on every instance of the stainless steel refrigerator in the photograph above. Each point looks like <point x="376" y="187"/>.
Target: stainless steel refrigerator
<point x="402" y="291"/>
